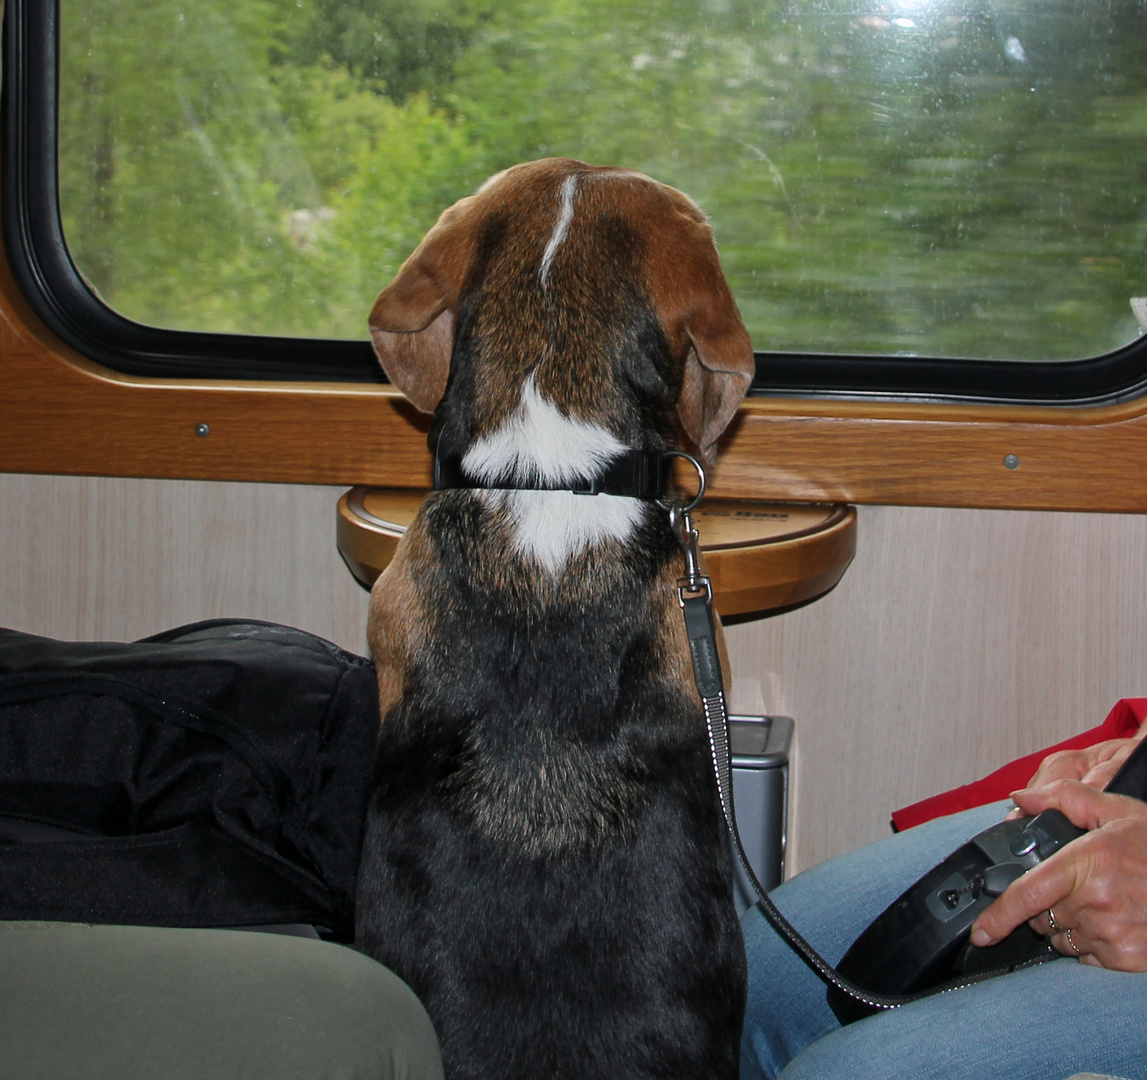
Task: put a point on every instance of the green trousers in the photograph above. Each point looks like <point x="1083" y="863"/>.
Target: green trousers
<point x="140" y="1002"/>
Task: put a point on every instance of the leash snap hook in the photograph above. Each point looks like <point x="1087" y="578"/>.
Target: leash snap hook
<point x="694" y="583"/>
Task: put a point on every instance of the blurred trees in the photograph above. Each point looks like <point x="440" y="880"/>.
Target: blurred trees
<point x="952" y="178"/>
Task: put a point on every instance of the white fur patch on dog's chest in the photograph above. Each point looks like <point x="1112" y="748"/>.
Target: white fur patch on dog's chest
<point x="552" y="526"/>
<point x="539" y="443"/>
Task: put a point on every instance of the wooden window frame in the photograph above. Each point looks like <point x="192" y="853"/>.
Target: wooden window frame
<point x="61" y="413"/>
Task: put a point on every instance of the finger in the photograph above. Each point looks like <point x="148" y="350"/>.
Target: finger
<point x="1062" y="765"/>
<point x="1067" y="914"/>
<point x="1071" y="943"/>
<point x="1102" y="774"/>
<point x="1028" y="900"/>
<point x="1074" y="942"/>
<point x="1107" y="765"/>
<point x="1078" y="764"/>
<point x="1084" y="806"/>
<point x="1041" y="924"/>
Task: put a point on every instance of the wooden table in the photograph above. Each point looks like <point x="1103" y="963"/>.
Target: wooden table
<point x="761" y="556"/>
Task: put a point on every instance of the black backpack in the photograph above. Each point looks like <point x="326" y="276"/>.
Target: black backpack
<point x="213" y="775"/>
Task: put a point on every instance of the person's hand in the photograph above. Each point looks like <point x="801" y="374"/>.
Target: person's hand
<point x="1096" y="885"/>
<point x="1094" y="765"/>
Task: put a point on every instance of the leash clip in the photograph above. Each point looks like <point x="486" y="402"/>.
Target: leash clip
<point x="694" y="584"/>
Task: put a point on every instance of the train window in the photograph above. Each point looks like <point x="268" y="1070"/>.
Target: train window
<point x="912" y="197"/>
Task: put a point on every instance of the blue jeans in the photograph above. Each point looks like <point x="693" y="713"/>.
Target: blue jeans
<point x="1044" y="1023"/>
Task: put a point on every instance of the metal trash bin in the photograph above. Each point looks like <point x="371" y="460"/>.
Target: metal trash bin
<point x="760" y="752"/>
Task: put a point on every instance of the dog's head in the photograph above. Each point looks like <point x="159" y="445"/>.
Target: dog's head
<point x="599" y="287"/>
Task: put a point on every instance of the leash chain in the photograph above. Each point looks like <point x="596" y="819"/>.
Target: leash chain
<point x="695" y="595"/>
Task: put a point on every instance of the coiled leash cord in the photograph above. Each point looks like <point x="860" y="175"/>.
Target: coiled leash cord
<point x="695" y="595"/>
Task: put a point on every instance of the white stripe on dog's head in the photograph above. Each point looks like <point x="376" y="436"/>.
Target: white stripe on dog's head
<point x="565" y="216"/>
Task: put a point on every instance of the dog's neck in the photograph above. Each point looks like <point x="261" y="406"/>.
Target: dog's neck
<point x="538" y="443"/>
<point x="535" y="467"/>
<point x="580" y="458"/>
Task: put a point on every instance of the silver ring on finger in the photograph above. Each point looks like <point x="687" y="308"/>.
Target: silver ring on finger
<point x="1055" y="927"/>
<point x="1071" y="944"/>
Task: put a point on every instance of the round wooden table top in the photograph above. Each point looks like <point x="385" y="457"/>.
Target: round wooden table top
<point x="761" y="556"/>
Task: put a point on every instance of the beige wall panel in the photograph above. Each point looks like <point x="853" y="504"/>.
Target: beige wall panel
<point x="121" y="559"/>
<point x="957" y="640"/>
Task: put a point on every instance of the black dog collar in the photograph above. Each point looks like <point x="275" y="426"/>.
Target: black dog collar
<point x="635" y="474"/>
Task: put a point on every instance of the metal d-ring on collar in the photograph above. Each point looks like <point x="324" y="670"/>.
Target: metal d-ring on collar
<point x="700" y="480"/>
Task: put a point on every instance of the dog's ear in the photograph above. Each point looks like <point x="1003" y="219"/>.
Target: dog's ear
<point x="695" y="303"/>
<point x="718" y="369"/>
<point x="412" y="321"/>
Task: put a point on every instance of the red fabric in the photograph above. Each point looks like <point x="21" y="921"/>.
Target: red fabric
<point x="1121" y="722"/>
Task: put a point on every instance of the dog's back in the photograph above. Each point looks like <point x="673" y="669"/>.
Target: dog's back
<point x="545" y="860"/>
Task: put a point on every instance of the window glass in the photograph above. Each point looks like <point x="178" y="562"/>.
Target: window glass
<point x="914" y="177"/>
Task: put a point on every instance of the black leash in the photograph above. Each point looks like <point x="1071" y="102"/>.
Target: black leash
<point x="695" y="594"/>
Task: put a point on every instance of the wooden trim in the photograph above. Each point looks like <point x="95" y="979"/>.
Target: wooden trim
<point x="940" y="455"/>
<point x="60" y="413"/>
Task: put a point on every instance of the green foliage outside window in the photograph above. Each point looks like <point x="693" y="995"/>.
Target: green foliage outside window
<point x="950" y="178"/>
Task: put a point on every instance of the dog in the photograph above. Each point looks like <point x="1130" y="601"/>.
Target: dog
<point x="545" y="862"/>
